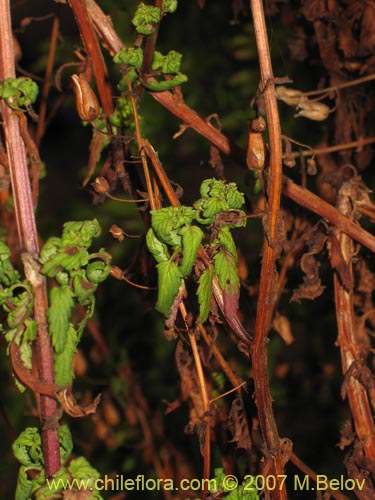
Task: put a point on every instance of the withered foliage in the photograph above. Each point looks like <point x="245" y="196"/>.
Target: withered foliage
<point x="311" y="287"/>
<point x="238" y="424"/>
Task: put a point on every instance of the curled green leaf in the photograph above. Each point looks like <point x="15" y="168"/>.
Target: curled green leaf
<point x="83" y="288"/>
<point x="166" y="222"/>
<point x="171" y="62"/>
<point x="158" y="249"/>
<point x="169" y="6"/>
<point x="98" y="268"/>
<point x="145" y="18"/>
<point x="163" y="85"/>
<point x="131" y="56"/>
<point x="68" y="259"/>
<point x="80" y="233"/>
<point x="50" y="249"/>
<point x="27" y="448"/>
<point x="19" y="92"/>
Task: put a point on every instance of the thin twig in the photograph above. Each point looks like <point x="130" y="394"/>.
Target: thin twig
<point x="352" y="83"/>
<point x="358" y="144"/>
<point x="40" y="129"/>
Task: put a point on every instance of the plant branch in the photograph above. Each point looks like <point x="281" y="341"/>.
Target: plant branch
<point x="311" y="201"/>
<point x="274" y="464"/>
<point x="28" y="237"/>
<point x="352" y="83"/>
<point x="334" y="149"/>
<point x="351" y="344"/>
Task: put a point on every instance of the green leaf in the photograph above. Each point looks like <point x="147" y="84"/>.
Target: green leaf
<point x="80" y="233"/>
<point x="211" y="187"/>
<point x="171" y="63"/>
<point x="19" y="305"/>
<point x="204" y="292"/>
<point x="234" y="198"/>
<point x="89" y="304"/>
<point x="66" y="443"/>
<point x="58" y="314"/>
<point x="50" y="249"/>
<point x="131" y="56"/>
<point x="169" y="282"/>
<point x="162" y="85"/>
<point x="19" y="92"/>
<point x="64" y="360"/>
<point x="24" y="486"/>
<point x="8" y="275"/>
<point x="191" y="240"/>
<point x="80" y="468"/>
<point x="166" y="222"/>
<point x="55" y="485"/>
<point x="169" y="6"/>
<point x="27" y="448"/>
<point x="226" y="269"/>
<point x="157" y="60"/>
<point x="145" y="18"/>
<point x="98" y="269"/>
<point x="226" y="239"/>
<point x="83" y="289"/>
<point x="69" y="258"/>
<point x="158" y="249"/>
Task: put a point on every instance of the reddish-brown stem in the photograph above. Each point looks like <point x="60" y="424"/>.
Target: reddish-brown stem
<point x="311" y="201"/>
<point x="28" y="239"/>
<point x="270" y="250"/>
<point x="351" y="346"/>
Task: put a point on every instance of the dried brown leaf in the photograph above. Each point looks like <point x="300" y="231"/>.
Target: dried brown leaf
<point x="311" y="287"/>
<point x="238" y="425"/>
<point x="189" y="385"/>
<point x="282" y="326"/>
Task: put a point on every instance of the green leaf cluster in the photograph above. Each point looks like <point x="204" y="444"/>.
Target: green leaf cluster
<point x="16" y="303"/>
<point x="131" y="56"/>
<point x="171" y="227"/>
<point x="123" y="114"/>
<point x="145" y="18"/>
<point x="169" y="6"/>
<point x="174" y="240"/>
<point x="216" y="197"/>
<point x="19" y="92"/>
<point x="78" y="274"/>
<point x="31" y="482"/>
